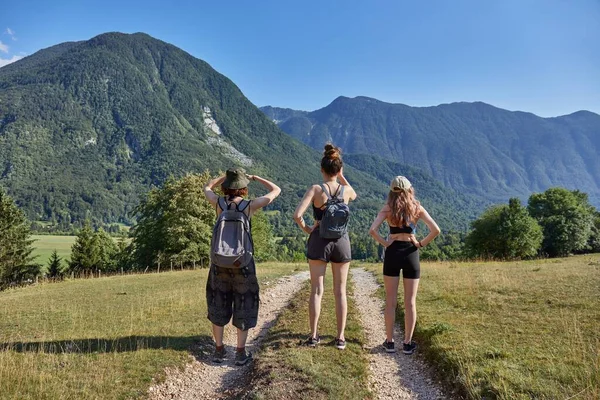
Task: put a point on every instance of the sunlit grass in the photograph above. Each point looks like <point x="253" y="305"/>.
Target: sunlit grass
<point x="515" y="330"/>
<point x="103" y="338"/>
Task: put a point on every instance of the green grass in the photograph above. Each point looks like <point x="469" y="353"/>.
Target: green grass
<point x="44" y="245"/>
<point x="515" y="330"/>
<point x="288" y="370"/>
<point x="102" y="338"/>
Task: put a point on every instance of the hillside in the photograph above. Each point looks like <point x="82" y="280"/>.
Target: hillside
<point x="88" y="127"/>
<point x="471" y="147"/>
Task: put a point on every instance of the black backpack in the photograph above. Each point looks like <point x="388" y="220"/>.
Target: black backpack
<point x="336" y="214"/>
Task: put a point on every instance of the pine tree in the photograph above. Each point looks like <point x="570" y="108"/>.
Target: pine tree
<point x="85" y="254"/>
<point x="54" y="266"/>
<point x="17" y="266"/>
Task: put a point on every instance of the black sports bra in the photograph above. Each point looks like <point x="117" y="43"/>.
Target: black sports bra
<point x="403" y="229"/>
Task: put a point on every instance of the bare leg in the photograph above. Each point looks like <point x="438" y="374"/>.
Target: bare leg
<point x="340" y="277"/>
<point x="218" y="334"/>
<point x="410" y="307"/>
<point x="241" y="338"/>
<point x="317" y="275"/>
<point x="391" y="300"/>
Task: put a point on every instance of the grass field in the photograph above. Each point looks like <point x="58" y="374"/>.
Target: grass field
<point x="521" y="330"/>
<point x="102" y="338"/>
<point x="44" y="245"/>
<point x="288" y="370"/>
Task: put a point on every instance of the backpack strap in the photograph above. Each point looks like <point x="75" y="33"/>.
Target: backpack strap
<point x="341" y="190"/>
<point x="246" y="206"/>
<point x="326" y="191"/>
<point x="222" y="204"/>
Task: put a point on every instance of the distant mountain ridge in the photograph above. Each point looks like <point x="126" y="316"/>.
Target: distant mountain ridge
<point x="88" y="127"/>
<point x="472" y="147"/>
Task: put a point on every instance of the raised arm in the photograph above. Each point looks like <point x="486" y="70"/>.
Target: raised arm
<point x="374" y="229"/>
<point x="434" y="229"/>
<point x="208" y="190"/>
<point x="268" y="198"/>
<point x="301" y="209"/>
<point x="344" y="181"/>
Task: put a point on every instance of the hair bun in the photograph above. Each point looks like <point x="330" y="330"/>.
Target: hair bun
<point x="332" y="152"/>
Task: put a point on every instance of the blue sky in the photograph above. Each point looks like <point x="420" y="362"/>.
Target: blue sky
<point x="540" y="56"/>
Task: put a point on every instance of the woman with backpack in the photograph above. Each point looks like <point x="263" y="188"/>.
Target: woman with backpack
<point x="402" y="211"/>
<point x="328" y="240"/>
<point x="232" y="291"/>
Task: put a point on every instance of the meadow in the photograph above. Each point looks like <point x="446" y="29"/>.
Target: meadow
<point x="103" y="338"/>
<point x="512" y="330"/>
<point x="44" y="245"/>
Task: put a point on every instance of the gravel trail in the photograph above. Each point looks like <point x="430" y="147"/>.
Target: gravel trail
<point x="203" y="379"/>
<point x="392" y="375"/>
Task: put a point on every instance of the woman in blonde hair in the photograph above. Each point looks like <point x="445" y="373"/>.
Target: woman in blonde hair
<point x="324" y="245"/>
<point x="402" y="212"/>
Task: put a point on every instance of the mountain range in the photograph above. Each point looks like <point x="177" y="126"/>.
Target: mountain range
<point x="473" y="148"/>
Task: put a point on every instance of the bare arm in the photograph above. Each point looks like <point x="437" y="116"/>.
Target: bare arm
<point x="208" y="190"/>
<point x="301" y="209"/>
<point x="434" y="229"/>
<point x="268" y="198"/>
<point x="344" y="181"/>
<point x="374" y="230"/>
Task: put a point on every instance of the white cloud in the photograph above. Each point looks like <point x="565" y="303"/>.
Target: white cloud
<point x="4" y="62"/>
<point x="3" y="47"/>
<point x="11" y="33"/>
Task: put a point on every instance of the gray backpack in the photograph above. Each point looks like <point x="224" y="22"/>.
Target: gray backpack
<point x="231" y="245"/>
<point x="334" y="223"/>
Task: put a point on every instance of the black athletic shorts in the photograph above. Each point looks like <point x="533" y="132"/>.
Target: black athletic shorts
<point x="402" y="256"/>
<point x="328" y="250"/>
<point x="233" y="292"/>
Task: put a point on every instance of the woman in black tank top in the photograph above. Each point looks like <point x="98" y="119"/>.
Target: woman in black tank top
<point x="402" y="212"/>
<point x="320" y="250"/>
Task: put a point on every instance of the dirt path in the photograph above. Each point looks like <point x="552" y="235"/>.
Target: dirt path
<point x="201" y="378"/>
<point x="396" y="375"/>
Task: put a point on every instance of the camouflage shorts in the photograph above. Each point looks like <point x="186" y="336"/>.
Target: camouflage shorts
<point x="233" y="292"/>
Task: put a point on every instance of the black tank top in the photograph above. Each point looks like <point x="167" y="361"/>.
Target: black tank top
<point x="318" y="212"/>
<point x="401" y="229"/>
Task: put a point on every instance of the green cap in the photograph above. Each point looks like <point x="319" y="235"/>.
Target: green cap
<point x="235" y="178"/>
<point x="400" y="183"/>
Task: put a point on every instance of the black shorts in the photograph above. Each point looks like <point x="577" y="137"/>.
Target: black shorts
<point x="233" y="292"/>
<point x="328" y="250"/>
<point x="402" y="256"/>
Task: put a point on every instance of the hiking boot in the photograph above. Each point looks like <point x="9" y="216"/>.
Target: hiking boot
<point x="219" y="355"/>
<point x="409" y="348"/>
<point x="340" y="344"/>
<point x="242" y="357"/>
<point x="312" y="342"/>
<point x="390" y="347"/>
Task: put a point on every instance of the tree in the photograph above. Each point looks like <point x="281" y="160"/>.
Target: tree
<point x="174" y="224"/>
<point x="594" y="240"/>
<point x="85" y="253"/>
<point x="504" y="232"/>
<point x="17" y="266"/>
<point x="54" y="266"/>
<point x="566" y="218"/>
<point x="262" y="237"/>
<point x="107" y="251"/>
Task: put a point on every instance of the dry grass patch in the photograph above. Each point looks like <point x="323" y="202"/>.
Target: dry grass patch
<point x="103" y="338"/>
<point x="514" y="330"/>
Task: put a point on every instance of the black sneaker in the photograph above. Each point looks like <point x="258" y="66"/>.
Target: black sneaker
<point x="340" y="344"/>
<point x="219" y="355"/>
<point x="390" y="347"/>
<point x="312" y="342"/>
<point x="409" y="348"/>
<point x="242" y="357"/>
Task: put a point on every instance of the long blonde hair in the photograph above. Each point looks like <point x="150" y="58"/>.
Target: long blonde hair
<point x="405" y="208"/>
